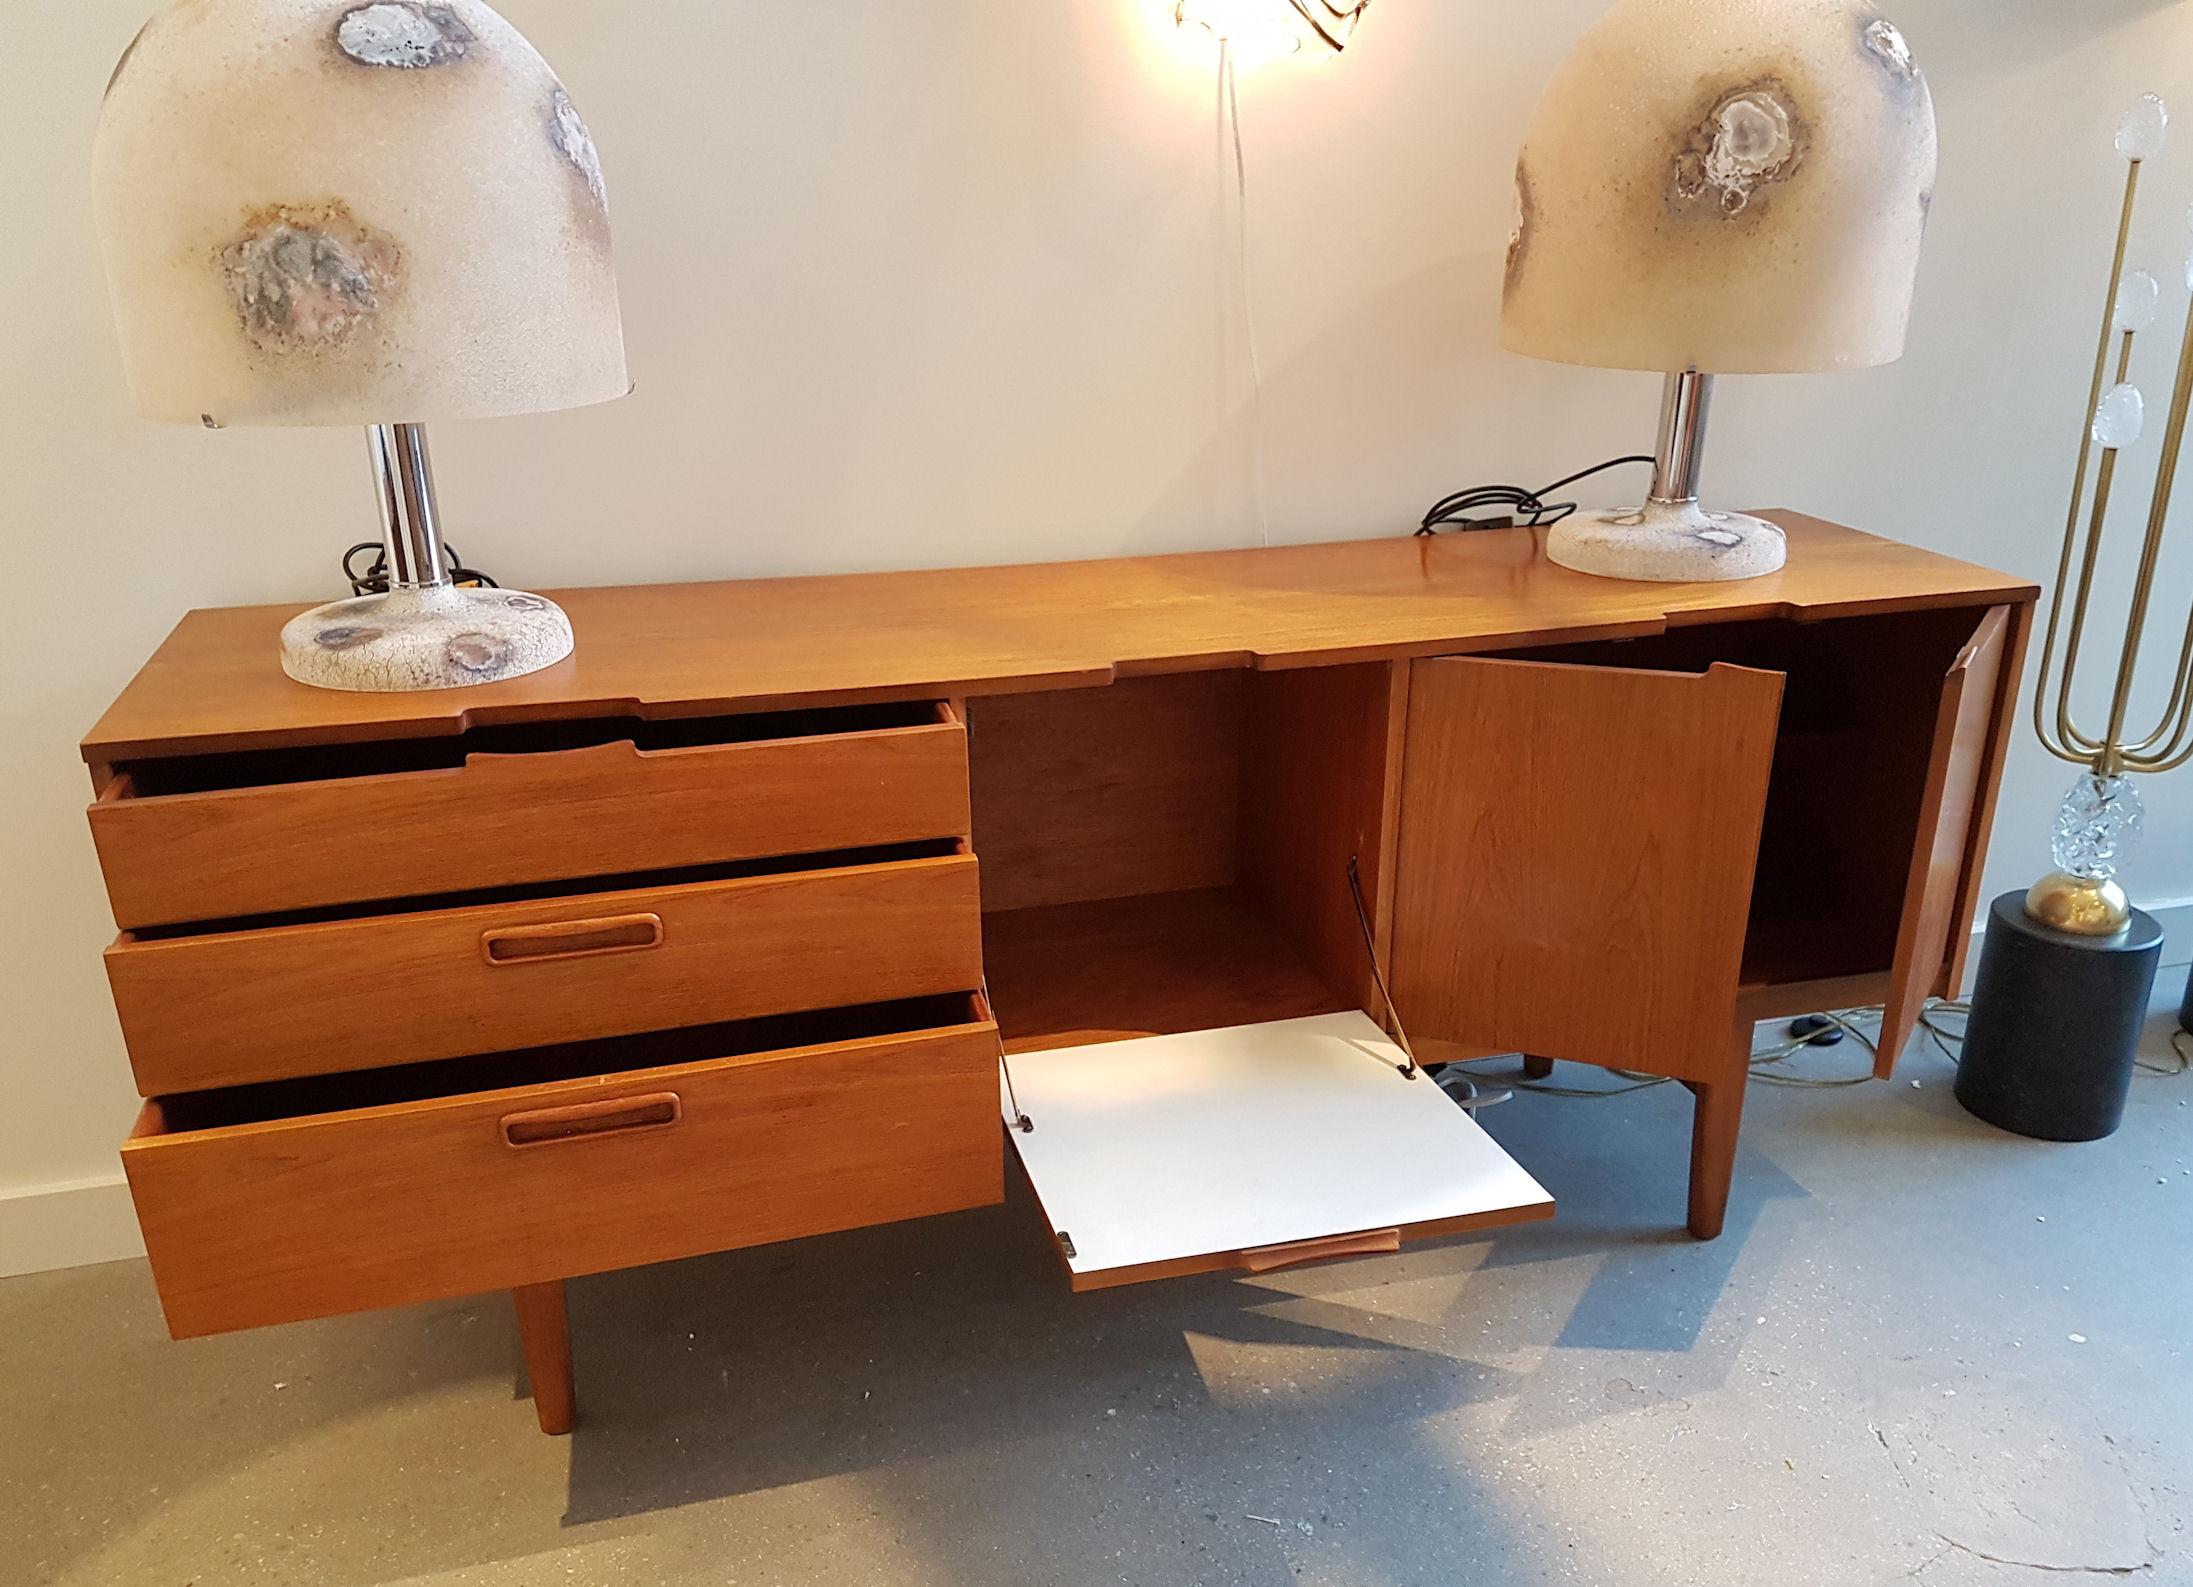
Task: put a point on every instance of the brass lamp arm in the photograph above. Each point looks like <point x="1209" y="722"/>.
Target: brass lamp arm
<point x="2178" y="753"/>
<point x="2177" y="717"/>
<point x="2158" y="512"/>
<point x="2065" y="741"/>
<point x="2077" y="745"/>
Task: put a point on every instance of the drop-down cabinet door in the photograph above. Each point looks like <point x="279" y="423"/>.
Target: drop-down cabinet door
<point x="1574" y="860"/>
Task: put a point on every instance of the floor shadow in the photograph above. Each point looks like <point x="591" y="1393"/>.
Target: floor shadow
<point x="901" y="1346"/>
<point x="889" y="1351"/>
<point x="1619" y="1171"/>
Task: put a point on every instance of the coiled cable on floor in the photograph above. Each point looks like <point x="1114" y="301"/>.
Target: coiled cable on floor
<point x="1941" y="1022"/>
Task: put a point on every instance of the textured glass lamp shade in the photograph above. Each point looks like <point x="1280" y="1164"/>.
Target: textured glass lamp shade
<point x="1732" y="186"/>
<point x="1717" y="187"/>
<point x="338" y="213"/>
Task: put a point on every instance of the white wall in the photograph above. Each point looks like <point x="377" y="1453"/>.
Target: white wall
<point x="946" y="282"/>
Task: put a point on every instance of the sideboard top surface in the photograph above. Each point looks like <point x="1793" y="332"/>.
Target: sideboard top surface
<point x="686" y="649"/>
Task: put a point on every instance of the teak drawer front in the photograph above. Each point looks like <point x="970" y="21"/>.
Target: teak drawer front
<point x="505" y="820"/>
<point x="272" y="1222"/>
<point x="229" y="1008"/>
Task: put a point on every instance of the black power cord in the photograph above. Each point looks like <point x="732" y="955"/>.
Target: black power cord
<point x="1528" y="506"/>
<point x="373" y="579"/>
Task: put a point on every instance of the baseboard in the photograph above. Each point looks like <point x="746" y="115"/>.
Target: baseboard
<point x="73" y="1224"/>
<point x="2176" y="916"/>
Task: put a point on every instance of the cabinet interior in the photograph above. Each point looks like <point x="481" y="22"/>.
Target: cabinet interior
<point x="1170" y="853"/>
<point x="270" y="768"/>
<point x="1860" y="709"/>
<point x="613" y="1055"/>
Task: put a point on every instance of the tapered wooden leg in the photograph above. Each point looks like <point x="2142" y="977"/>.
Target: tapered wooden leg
<point x="544" y="1333"/>
<point x="1537" y="1068"/>
<point x="1718" y="1115"/>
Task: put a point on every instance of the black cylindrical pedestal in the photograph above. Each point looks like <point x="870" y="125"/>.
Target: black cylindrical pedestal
<point x="2055" y="1024"/>
<point x="2185" y="1009"/>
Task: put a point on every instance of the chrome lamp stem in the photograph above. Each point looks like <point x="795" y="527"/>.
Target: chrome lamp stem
<point x="1679" y="451"/>
<point x="403" y="478"/>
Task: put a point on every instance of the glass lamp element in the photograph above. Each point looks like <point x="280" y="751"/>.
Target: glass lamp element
<point x="1718" y="187"/>
<point x="2144" y="129"/>
<point x="371" y="212"/>
<point x="2096" y="825"/>
<point x="2119" y="417"/>
<point x="1284" y="26"/>
<point x="2139" y="299"/>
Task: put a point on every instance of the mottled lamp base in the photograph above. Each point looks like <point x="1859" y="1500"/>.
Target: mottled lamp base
<point x="1668" y="543"/>
<point x="435" y="638"/>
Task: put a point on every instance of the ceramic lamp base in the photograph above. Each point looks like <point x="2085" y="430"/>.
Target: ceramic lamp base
<point x="434" y="638"/>
<point x="1668" y="543"/>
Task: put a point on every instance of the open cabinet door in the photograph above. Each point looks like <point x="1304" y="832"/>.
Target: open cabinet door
<point x="1575" y="859"/>
<point x="1959" y="763"/>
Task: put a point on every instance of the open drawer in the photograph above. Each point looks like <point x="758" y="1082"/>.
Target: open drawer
<point x="411" y="985"/>
<point x="272" y="1203"/>
<point x="217" y="837"/>
<point x="1253" y="1147"/>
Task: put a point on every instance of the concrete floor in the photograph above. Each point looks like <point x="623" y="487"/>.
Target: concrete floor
<point x="1924" y="1350"/>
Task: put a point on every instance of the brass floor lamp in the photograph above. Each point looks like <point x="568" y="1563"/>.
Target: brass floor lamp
<point x="2068" y="968"/>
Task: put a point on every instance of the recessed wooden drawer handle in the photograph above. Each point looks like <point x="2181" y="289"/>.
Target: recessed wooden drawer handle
<point x="571" y="939"/>
<point x="616" y="1116"/>
<point x="1265" y="1259"/>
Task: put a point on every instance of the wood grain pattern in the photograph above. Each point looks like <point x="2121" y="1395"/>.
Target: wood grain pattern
<point x="1115" y="969"/>
<point x="1955" y="770"/>
<point x="1106" y="793"/>
<point x="501" y="820"/>
<point x="1249" y="1261"/>
<point x="1717" y="1117"/>
<point x="383" y="1206"/>
<point x="1756" y="1001"/>
<point x="1320" y="785"/>
<point x="1576" y="858"/>
<point x="695" y="648"/>
<point x="544" y="1335"/>
<point x="2001" y="731"/>
<point x="233" y="1007"/>
<point x="1844" y="802"/>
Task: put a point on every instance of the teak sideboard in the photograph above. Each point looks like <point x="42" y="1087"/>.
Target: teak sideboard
<point x="727" y="929"/>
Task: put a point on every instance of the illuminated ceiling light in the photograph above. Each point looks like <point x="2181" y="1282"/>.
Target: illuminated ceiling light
<point x="1282" y="25"/>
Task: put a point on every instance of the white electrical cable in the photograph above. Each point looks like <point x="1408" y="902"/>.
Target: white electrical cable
<point x="1229" y="105"/>
<point x="1853" y="1022"/>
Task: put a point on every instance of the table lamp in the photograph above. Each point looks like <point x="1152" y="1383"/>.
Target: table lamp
<point x="1717" y="187"/>
<point x="319" y="212"/>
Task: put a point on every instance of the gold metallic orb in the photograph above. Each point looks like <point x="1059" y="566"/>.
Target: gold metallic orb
<point x="2081" y="905"/>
